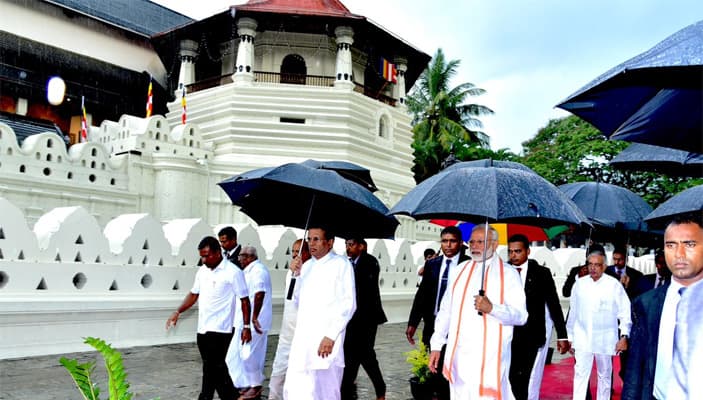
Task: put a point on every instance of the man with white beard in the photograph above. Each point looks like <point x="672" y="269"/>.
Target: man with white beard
<point x="477" y="358"/>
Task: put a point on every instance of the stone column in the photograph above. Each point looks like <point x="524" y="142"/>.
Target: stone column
<point x="244" y="73"/>
<point x="188" y="51"/>
<point x="343" y="76"/>
<point x="401" y="64"/>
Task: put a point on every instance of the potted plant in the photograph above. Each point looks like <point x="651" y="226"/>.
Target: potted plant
<point x="419" y="359"/>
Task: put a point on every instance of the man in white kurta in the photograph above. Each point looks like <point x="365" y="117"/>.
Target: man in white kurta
<point x="477" y="358"/>
<point x="598" y="302"/>
<point x="299" y="254"/>
<point x="246" y="361"/>
<point x="326" y="302"/>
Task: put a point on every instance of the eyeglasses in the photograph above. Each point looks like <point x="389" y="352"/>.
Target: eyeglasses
<point x="245" y="255"/>
<point x="595" y="265"/>
<point x="479" y="242"/>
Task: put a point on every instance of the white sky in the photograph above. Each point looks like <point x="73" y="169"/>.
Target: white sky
<point x="528" y="54"/>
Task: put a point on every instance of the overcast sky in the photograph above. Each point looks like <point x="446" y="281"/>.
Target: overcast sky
<point x="529" y="55"/>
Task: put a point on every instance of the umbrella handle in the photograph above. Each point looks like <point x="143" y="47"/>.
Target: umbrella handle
<point x="481" y="292"/>
<point x="291" y="288"/>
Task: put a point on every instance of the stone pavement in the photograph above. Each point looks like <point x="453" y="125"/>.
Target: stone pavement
<point x="172" y="372"/>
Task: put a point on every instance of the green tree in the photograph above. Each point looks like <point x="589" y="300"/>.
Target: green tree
<point x="571" y="150"/>
<point x="442" y="120"/>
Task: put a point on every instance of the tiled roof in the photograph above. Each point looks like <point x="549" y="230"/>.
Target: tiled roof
<point x="332" y="8"/>
<point x="25" y="126"/>
<point x="141" y="16"/>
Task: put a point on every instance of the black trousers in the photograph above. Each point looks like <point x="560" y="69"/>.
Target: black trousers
<point x="521" y="363"/>
<point x="358" y="351"/>
<point x="213" y="349"/>
<point x="439" y="383"/>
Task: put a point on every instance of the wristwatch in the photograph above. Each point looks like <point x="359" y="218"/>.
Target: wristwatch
<point x="247" y="326"/>
<point x="624" y="336"/>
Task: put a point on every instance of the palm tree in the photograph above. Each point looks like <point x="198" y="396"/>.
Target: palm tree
<point x="441" y="119"/>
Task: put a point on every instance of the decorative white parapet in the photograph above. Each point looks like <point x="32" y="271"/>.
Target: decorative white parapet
<point x="67" y="278"/>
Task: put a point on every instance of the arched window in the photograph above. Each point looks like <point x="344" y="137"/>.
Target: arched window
<point x="293" y="69"/>
<point x="383" y="127"/>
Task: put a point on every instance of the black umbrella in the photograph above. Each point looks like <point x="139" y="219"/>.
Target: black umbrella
<point x="353" y="172"/>
<point x="299" y="196"/>
<point x="672" y="162"/>
<point x="489" y="195"/>
<point x="608" y="206"/>
<point x="654" y="98"/>
<point x="487" y="162"/>
<point x="690" y="201"/>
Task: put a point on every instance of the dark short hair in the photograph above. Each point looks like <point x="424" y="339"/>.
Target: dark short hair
<point x="358" y="240"/>
<point x="519" y="237"/>
<point x="211" y="243"/>
<point x="659" y="253"/>
<point x="329" y="233"/>
<point x="452" y="230"/>
<point x="429" y="252"/>
<point x="229" y="232"/>
<point x="620" y="250"/>
<point x="688" y="218"/>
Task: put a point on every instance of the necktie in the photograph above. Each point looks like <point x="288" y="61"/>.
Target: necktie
<point x="660" y="281"/>
<point x="680" y="350"/>
<point x="519" y="270"/>
<point x="443" y="284"/>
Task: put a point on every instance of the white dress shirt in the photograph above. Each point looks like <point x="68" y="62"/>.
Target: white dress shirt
<point x="665" y="345"/>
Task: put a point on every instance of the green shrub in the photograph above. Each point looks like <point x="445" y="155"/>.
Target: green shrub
<point x="419" y="359"/>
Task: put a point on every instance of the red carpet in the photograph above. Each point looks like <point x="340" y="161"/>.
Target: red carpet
<point x="558" y="380"/>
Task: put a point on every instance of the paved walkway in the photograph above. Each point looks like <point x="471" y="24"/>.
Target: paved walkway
<point x="172" y="372"/>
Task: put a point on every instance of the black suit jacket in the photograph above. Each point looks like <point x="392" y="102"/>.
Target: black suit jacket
<point x="369" y="309"/>
<point x="646" y="283"/>
<point x="570" y="280"/>
<point x="426" y="296"/>
<point x="634" y="275"/>
<point x="540" y="290"/>
<point x="644" y="339"/>
<point x="234" y="257"/>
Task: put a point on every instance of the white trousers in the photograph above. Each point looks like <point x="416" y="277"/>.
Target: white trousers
<point x="582" y="373"/>
<point x="250" y="371"/>
<point x="314" y="384"/>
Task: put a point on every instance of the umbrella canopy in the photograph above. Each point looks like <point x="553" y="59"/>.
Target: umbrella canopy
<point x="690" y="201"/>
<point x="299" y="196"/>
<point x="487" y="162"/>
<point x="654" y="98"/>
<point x="353" y="172"/>
<point x="672" y="162"/>
<point x="490" y="194"/>
<point x="608" y="206"/>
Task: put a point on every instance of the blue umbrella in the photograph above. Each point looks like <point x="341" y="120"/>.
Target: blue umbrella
<point x="353" y="172"/>
<point x="672" y="162"/>
<point x="690" y="201"/>
<point x="608" y="206"/>
<point x="490" y="195"/>
<point x="654" y="98"/>
<point x="299" y="196"/>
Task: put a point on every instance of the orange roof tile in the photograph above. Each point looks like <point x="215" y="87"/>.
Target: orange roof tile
<point x="332" y="8"/>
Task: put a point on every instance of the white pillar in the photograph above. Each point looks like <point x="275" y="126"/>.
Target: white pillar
<point x="186" y="75"/>
<point x="399" y="93"/>
<point x="244" y="73"/>
<point x="343" y="76"/>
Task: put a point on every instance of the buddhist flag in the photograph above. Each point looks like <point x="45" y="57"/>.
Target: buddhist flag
<point x="149" y="99"/>
<point x="183" y="103"/>
<point x="84" y="122"/>
<point x="388" y="71"/>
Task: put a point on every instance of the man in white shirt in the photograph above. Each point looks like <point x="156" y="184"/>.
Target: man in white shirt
<point x="299" y="254"/>
<point x="246" y="361"/>
<point x="478" y="352"/>
<point x="217" y="283"/>
<point x="598" y="305"/>
<point x="326" y="302"/>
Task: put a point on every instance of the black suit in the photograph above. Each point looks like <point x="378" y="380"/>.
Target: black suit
<point x="634" y="275"/>
<point x="423" y="309"/>
<point x="361" y="329"/>
<point x="233" y="257"/>
<point x="540" y="290"/>
<point x="644" y="340"/>
<point x="570" y="280"/>
<point x="647" y="283"/>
